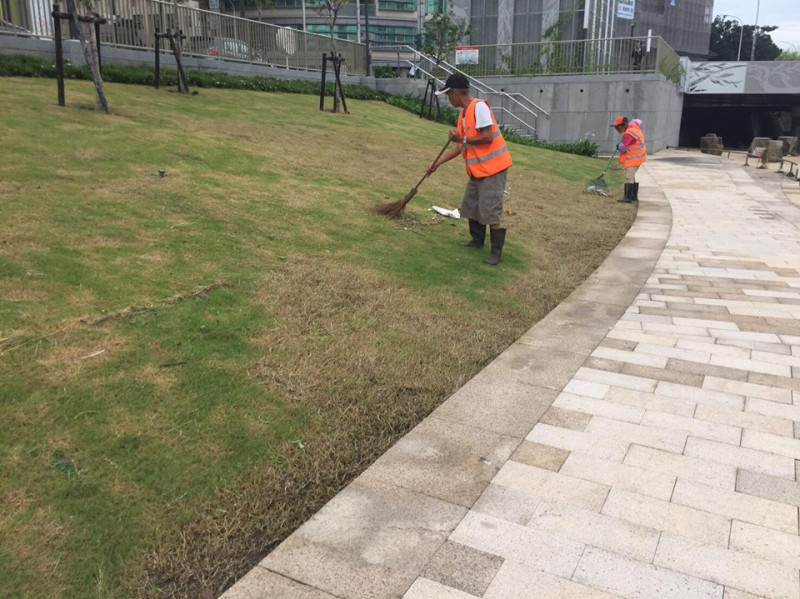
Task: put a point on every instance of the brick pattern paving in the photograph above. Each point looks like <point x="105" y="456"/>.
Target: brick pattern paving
<point x="667" y="467"/>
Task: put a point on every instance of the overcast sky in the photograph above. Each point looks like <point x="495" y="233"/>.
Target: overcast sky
<point x="783" y="13"/>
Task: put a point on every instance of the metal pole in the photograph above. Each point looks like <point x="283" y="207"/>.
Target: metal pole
<point x="59" y="55"/>
<point x="366" y="32"/>
<point x="303" y="5"/>
<point x="741" y="31"/>
<point x="755" y="34"/>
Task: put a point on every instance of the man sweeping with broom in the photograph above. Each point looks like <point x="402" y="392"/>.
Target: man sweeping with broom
<point x="487" y="159"/>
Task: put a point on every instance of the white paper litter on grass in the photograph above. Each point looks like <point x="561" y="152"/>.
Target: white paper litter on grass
<point x="445" y="212"/>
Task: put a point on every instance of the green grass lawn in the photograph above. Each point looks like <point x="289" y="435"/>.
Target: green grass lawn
<point x="192" y="364"/>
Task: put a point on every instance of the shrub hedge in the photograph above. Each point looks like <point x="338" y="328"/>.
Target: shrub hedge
<point x="34" y="66"/>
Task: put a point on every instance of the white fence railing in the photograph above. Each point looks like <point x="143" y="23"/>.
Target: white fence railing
<point x="134" y="23"/>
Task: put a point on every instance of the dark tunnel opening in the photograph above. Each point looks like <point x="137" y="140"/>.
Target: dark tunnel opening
<point x="738" y="118"/>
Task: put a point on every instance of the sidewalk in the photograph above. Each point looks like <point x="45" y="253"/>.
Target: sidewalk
<point x="640" y="441"/>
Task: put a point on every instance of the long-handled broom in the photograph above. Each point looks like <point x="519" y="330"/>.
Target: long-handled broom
<point x="598" y="185"/>
<point x="392" y="210"/>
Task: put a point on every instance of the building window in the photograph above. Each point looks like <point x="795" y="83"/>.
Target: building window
<point x="484" y="22"/>
<point x="397" y="6"/>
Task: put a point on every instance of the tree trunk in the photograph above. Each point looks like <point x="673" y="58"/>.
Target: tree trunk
<point x="90" y="53"/>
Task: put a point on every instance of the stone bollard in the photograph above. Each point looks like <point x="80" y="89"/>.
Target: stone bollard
<point x="711" y="144"/>
<point x="789" y="144"/>
<point x="774" y="150"/>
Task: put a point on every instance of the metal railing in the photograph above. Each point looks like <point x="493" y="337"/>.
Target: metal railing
<point x="133" y="24"/>
<point x="525" y="124"/>
<point x="577" y="57"/>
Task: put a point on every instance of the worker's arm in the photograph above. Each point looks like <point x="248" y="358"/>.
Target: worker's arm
<point x="449" y="155"/>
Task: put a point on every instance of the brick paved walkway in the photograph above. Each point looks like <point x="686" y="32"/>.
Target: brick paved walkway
<point x="640" y="442"/>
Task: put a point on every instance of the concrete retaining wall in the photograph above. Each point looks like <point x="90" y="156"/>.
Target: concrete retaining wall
<point x="578" y="106"/>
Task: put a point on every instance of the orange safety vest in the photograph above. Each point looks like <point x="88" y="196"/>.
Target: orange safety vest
<point x="636" y="153"/>
<point x="487" y="159"/>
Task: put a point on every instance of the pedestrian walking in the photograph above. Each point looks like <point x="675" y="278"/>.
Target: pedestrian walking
<point x="632" y="154"/>
<point x="487" y="159"/>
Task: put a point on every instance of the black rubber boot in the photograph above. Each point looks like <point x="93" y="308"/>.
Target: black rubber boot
<point x="635" y="192"/>
<point x="498" y="238"/>
<point x="627" y="196"/>
<point x="478" y="233"/>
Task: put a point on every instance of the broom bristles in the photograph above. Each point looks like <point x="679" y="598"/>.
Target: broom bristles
<point x="392" y="210"/>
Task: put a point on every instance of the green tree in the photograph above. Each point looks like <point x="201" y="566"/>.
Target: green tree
<point x="442" y="35"/>
<point x="725" y="41"/>
<point x="795" y="55"/>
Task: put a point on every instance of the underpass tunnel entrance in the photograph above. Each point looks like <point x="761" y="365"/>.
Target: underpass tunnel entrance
<point x="738" y="118"/>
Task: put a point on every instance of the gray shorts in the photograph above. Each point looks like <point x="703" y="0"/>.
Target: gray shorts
<point x="483" y="199"/>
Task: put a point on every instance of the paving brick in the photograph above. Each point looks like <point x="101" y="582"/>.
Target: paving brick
<point x="744" y="419"/>
<point x="751" y="345"/>
<point x="739" y="506"/>
<point x="691" y="468"/>
<point x="730" y="568"/>
<point x="601" y="447"/>
<point x="636" y="580"/>
<point x="737" y="594"/>
<point x="786" y="446"/>
<point x="650" y="401"/>
<point x="712" y="348"/>
<point x="775" y="358"/>
<point x="541" y="456"/>
<point x="674" y="375"/>
<point x="463" y="568"/>
<point x="517" y="581"/>
<point x="735" y="374"/>
<point x="520" y="544"/>
<point x="766" y="543"/>
<point x="640" y="337"/>
<point x="713" y="324"/>
<point x="741" y="457"/>
<point x="674" y="352"/>
<point x="424" y="588"/>
<point x="693" y="426"/>
<point x="751" y="365"/>
<point x="508" y="504"/>
<point x="645" y="481"/>
<point x="605" y="532"/>
<point x="599" y="407"/>
<point x="622" y="344"/>
<point x="587" y="388"/>
<point x="660" y="438"/>
<point x="630" y="357"/>
<point x="617" y="380"/>
<point x="669" y="517"/>
<point x="719" y="333"/>
<point x="719" y="398"/>
<point x="571" y="419"/>
<point x="672" y="329"/>
<point x="770" y="380"/>
<point x="773" y="409"/>
<point x="536" y="482"/>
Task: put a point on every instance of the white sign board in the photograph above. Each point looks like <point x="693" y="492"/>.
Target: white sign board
<point x="467" y="55"/>
<point x="626" y="9"/>
<point x="213" y="5"/>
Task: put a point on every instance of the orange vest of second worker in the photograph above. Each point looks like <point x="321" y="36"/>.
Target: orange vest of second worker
<point x="487" y="159"/>
<point x="637" y="153"/>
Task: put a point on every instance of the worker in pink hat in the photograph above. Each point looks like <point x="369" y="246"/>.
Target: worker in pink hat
<point x="632" y="154"/>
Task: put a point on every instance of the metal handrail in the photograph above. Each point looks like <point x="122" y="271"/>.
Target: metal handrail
<point x="479" y="86"/>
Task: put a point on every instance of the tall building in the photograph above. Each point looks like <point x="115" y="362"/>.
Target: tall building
<point x="684" y="24"/>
